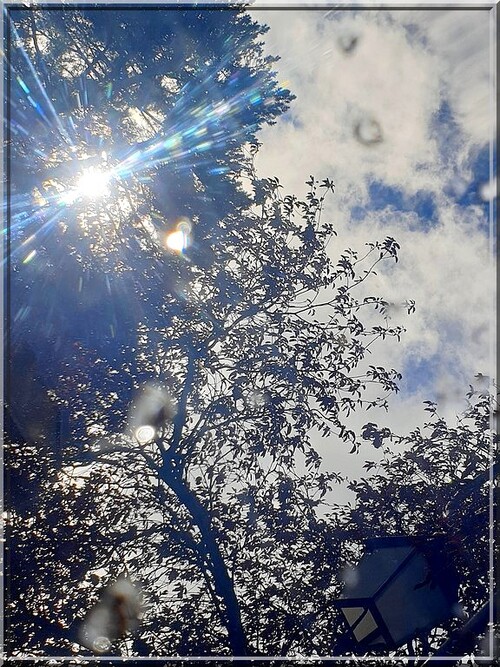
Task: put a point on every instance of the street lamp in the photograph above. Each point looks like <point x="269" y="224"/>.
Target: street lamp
<point x="401" y="588"/>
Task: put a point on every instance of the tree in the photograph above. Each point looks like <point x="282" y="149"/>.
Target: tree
<point x="438" y="485"/>
<point x="241" y="326"/>
<point x="217" y="512"/>
<point x="251" y="329"/>
<point x="52" y="539"/>
<point x="164" y="100"/>
<point x="134" y="101"/>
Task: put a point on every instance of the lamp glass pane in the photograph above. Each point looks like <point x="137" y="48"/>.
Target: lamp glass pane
<point x="412" y="602"/>
<point x="378" y="640"/>
<point x="365" y="627"/>
<point x="352" y="614"/>
<point x="373" y="570"/>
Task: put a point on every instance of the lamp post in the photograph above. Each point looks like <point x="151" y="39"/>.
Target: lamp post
<point x="401" y="588"/>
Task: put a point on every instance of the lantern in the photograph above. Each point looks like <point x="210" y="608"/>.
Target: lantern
<point x="401" y="588"/>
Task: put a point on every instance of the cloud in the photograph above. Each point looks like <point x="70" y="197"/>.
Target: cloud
<point x="424" y="78"/>
<point x="385" y="79"/>
<point x="448" y="270"/>
<point x="400" y="73"/>
<point x="461" y="40"/>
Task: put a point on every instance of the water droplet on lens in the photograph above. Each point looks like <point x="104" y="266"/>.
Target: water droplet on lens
<point x="488" y="190"/>
<point x="145" y="434"/>
<point x="349" y="576"/>
<point x="101" y="644"/>
<point x="348" y="42"/>
<point x="368" y="131"/>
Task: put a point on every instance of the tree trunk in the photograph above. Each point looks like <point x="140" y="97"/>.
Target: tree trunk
<point x="222" y="582"/>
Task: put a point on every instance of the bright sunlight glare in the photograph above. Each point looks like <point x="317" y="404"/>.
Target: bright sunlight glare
<point x="179" y="240"/>
<point x="92" y="184"/>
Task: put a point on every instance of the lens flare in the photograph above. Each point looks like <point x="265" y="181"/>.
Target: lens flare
<point x="145" y="434"/>
<point x="180" y="238"/>
<point x="29" y="257"/>
<point x="93" y="184"/>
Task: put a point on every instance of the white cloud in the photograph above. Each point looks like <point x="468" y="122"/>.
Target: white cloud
<point x="392" y="76"/>
<point x="448" y="271"/>
<point x="385" y="78"/>
<point x="461" y="41"/>
<point x="401" y="70"/>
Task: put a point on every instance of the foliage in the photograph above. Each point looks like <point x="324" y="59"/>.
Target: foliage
<point x="218" y="516"/>
<point x="168" y="101"/>
<point x="165" y="100"/>
<point x="251" y="329"/>
<point x="222" y="508"/>
<point x="439" y="484"/>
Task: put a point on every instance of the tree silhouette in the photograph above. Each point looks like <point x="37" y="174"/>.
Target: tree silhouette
<point x="217" y="510"/>
<point x="185" y="337"/>
<point x="440" y="484"/>
<point x="164" y="100"/>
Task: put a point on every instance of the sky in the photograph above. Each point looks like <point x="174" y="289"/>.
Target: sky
<point x="396" y="107"/>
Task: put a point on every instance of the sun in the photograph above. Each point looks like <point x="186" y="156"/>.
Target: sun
<point x="92" y="184"/>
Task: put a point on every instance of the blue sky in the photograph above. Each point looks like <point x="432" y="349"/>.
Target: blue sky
<point x="419" y="83"/>
<point x="424" y="77"/>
